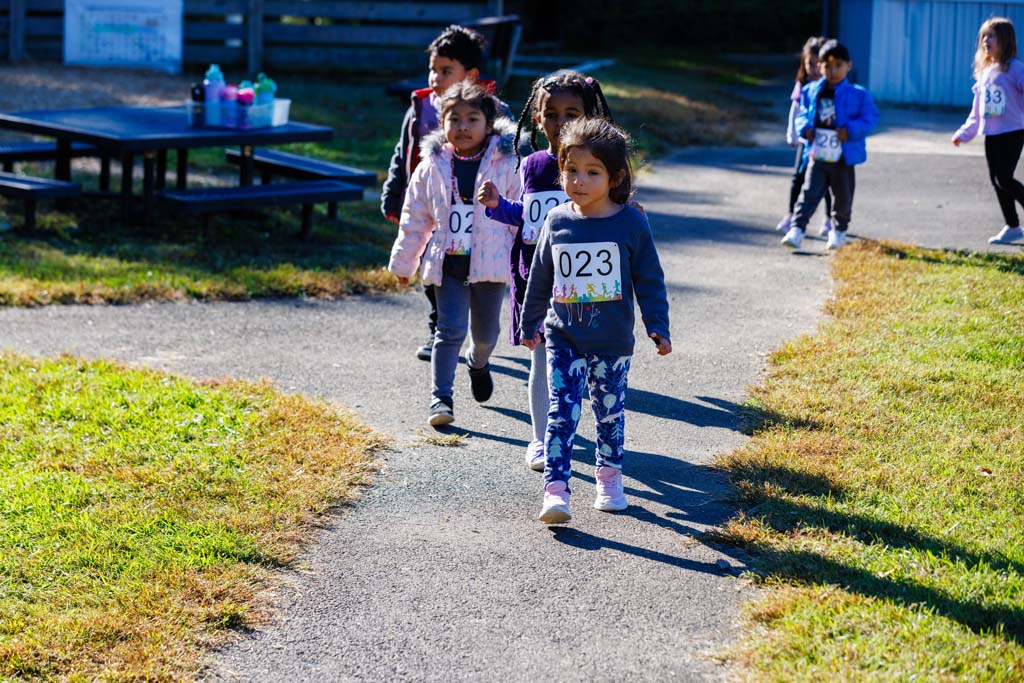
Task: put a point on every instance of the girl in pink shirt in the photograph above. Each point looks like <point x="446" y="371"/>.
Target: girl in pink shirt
<point x="998" y="114"/>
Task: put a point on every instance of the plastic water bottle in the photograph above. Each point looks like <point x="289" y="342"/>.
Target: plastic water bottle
<point x="213" y="85"/>
<point x="246" y="96"/>
<point x="229" y="106"/>
<point x="265" y="89"/>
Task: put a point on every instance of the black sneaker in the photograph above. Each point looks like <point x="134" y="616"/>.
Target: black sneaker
<point x="441" y="412"/>
<point x="427" y="350"/>
<point x="481" y="383"/>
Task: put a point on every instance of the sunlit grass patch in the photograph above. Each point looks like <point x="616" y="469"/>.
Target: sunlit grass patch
<point x="141" y="511"/>
<point x="884" y="478"/>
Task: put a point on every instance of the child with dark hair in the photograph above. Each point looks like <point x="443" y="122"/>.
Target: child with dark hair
<point x="835" y="117"/>
<point x="807" y="72"/>
<point x="555" y="100"/>
<point x="464" y="253"/>
<point x="998" y="114"/>
<point x="456" y="55"/>
<point x="595" y="255"/>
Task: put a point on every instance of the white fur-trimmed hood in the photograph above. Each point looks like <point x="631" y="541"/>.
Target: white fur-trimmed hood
<point x="504" y="129"/>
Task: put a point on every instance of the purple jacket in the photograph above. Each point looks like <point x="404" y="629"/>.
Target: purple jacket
<point x="996" y="91"/>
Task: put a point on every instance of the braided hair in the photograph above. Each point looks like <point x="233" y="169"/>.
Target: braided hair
<point x="568" y="81"/>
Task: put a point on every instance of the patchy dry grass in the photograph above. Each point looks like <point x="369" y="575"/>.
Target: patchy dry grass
<point x="441" y="439"/>
<point x="141" y="512"/>
<point x="883" y="484"/>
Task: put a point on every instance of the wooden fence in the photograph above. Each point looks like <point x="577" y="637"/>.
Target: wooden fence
<point x="248" y="34"/>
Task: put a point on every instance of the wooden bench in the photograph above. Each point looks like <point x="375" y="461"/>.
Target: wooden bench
<point x="272" y="162"/>
<point x="46" y="150"/>
<point x="307" y="193"/>
<point x="31" y="190"/>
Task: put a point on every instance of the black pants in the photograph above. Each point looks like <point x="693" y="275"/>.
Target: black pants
<point x="821" y="176"/>
<point x="799" y="172"/>
<point x="1002" y="152"/>
<point x="432" y="298"/>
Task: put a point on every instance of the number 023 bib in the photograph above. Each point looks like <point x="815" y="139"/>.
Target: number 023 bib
<point x="827" y="146"/>
<point x="536" y="206"/>
<point x="586" y="272"/>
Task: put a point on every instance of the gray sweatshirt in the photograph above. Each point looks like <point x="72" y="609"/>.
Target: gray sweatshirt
<point x="584" y="277"/>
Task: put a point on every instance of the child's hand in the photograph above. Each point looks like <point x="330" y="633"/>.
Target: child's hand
<point x="809" y="135"/>
<point x="638" y="206"/>
<point x="488" y="195"/>
<point x="664" y="344"/>
<point x="842" y="134"/>
<point x="392" y="218"/>
<point x="532" y="343"/>
<point x="956" y="141"/>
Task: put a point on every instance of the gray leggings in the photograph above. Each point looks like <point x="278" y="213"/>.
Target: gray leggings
<point x="463" y="307"/>
<point x="539" y="402"/>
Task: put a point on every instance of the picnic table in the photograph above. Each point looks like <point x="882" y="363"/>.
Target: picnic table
<point x="124" y="132"/>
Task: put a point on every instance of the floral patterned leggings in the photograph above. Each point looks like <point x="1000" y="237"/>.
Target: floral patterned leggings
<point x="606" y="376"/>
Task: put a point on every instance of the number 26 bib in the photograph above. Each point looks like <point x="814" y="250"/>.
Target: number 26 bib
<point x="536" y="206"/>
<point x="995" y="100"/>
<point x="586" y="272"/>
<point x="827" y="146"/>
<point x="459" y="239"/>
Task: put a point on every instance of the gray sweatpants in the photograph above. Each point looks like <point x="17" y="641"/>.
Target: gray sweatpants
<point x="822" y="175"/>
<point x="462" y="307"/>
<point x="539" y="402"/>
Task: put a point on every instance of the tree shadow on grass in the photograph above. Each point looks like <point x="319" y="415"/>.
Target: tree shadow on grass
<point x="1006" y="263"/>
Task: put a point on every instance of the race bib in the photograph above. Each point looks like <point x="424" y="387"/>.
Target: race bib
<point x="585" y="273"/>
<point x="536" y="206"/>
<point x="827" y="146"/>
<point x="995" y="100"/>
<point x="460" y="230"/>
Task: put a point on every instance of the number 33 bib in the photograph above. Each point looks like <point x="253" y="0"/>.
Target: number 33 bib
<point x="587" y="272"/>
<point x="995" y="100"/>
<point x="827" y="146"/>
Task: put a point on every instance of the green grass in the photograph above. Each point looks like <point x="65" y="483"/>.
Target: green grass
<point x="884" y="484"/>
<point x="141" y="512"/>
<point x="87" y="255"/>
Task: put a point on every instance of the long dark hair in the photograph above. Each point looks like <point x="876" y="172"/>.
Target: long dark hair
<point x="811" y="48"/>
<point x="607" y="142"/>
<point x="588" y="89"/>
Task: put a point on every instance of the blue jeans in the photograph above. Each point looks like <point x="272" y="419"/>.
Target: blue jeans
<point x="606" y="376"/>
<point x="462" y="308"/>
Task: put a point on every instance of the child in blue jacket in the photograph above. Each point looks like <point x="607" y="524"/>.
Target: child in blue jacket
<point x="835" y="118"/>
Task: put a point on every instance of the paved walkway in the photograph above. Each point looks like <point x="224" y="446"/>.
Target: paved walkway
<point x="442" y="572"/>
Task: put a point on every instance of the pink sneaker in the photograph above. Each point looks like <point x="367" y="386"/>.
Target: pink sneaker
<point x="556" y="504"/>
<point x="610" y="497"/>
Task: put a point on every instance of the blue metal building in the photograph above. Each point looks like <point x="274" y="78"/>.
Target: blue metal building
<point x="915" y="51"/>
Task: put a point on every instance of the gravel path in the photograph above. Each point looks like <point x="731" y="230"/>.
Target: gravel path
<point x="442" y="572"/>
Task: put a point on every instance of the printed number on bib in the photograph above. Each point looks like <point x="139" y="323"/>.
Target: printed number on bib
<point x="460" y="229"/>
<point x="586" y="273"/>
<point x="827" y="146"/>
<point x="536" y="206"/>
<point x="995" y="100"/>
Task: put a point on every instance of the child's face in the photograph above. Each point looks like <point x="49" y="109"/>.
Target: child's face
<point x="835" y="70"/>
<point x="811" y="67"/>
<point x="466" y="128"/>
<point x="559" y="109"/>
<point x="586" y="180"/>
<point x="990" y="44"/>
<point x="446" y="72"/>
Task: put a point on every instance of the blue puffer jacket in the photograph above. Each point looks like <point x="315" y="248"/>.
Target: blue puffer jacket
<point x="855" y="111"/>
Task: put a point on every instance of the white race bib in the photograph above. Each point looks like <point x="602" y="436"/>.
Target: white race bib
<point x="995" y="100"/>
<point x="587" y="272"/>
<point x="827" y="146"/>
<point x="460" y="230"/>
<point x="536" y="206"/>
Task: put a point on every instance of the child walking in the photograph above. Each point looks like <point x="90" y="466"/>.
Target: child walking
<point x="807" y="72"/>
<point x="835" y="117"/>
<point x="464" y="253"/>
<point x="594" y="256"/>
<point x="554" y="101"/>
<point x="998" y="114"/>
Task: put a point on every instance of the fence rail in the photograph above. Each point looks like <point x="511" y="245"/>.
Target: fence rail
<point x="247" y="34"/>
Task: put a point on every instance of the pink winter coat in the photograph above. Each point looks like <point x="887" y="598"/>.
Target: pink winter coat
<point x="428" y="202"/>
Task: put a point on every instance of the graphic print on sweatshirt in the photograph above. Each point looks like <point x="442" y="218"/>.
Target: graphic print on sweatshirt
<point x="586" y="272"/>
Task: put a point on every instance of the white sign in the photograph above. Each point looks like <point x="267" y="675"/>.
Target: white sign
<point x="587" y="272"/>
<point x="827" y="146"/>
<point x="460" y="230"/>
<point x="536" y="206"/>
<point x="136" y="33"/>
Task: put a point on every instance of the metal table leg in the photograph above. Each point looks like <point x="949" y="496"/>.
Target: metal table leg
<point x="182" y="168"/>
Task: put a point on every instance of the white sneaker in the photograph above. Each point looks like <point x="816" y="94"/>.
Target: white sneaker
<point x="555" y="509"/>
<point x="1007" y="235"/>
<point x="826" y="227"/>
<point x="836" y="239"/>
<point x="610" y="496"/>
<point x="535" y="456"/>
<point x="784" y="224"/>
<point x="794" y="238"/>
